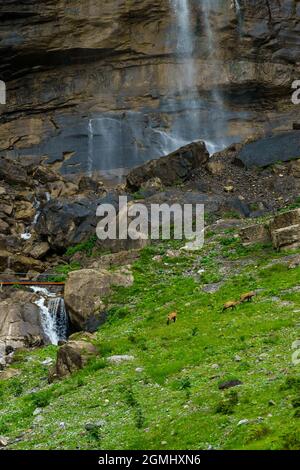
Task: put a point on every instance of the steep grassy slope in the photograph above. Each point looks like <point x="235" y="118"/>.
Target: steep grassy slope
<point x="169" y="396"/>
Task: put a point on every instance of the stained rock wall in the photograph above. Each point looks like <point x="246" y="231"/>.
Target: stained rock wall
<point x="87" y="80"/>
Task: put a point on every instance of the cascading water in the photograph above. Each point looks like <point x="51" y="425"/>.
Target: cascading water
<point x="90" y="147"/>
<point x="118" y="141"/>
<point x="58" y="311"/>
<point x="54" y="317"/>
<point x="185" y="44"/>
<point x="220" y="122"/>
<point x="200" y="119"/>
<point x="239" y="14"/>
<point x="27" y="234"/>
<point x="185" y="90"/>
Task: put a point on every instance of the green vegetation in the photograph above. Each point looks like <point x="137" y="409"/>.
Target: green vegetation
<point x="63" y="270"/>
<point x="169" y="395"/>
<point x="85" y="247"/>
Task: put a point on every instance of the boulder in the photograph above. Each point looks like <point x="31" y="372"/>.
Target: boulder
<point x="171" y="169"/>
<point x="6" y="208"/>
<point x="38" y="250"/>
<point x="256" y="233"/>
<point x="295" y="168"/>
<point x="72" y="356"/>
<point x="215" y="167"/>
<point x="3" y="441"/>
<point x="44" y="174"/>
<point x="84" y="293"/>
<point x="9" y="373"/>
<point x="24" y="211"/>
<point x="4" y="227"/>
<point x="286" y="238"/>
<point x="65" y="222"/>
<point x="116" y="246"/>
<point x="279" y="147"/>
<point x="18" y="263"/>
<point x="20" y="323"/>
<point x="62" y="189"/>
<point x="12" y="172"/>
<point x="117" y="359"/>
<point x="285" y="219"/>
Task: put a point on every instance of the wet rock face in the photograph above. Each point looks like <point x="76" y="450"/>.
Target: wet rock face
<point x="92" y="78"/>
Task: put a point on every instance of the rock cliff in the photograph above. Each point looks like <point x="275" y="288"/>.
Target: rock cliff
<point x="90" y="84"/>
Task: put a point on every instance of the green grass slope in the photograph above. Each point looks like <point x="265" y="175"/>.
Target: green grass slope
<point x="168" y="397"/>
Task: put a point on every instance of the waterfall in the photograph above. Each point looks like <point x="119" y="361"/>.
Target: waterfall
<point x="57" y="311"/>
<point x="220" y="122"/>
<point x="185" y="87"/>
<point x="90" y="147"/>
<point x="239" y="14"/>
<point x="185" y="44"/>
<point x="54" y="317"/>
<point x="121" y="140"/>
<point x="27" y="234"/>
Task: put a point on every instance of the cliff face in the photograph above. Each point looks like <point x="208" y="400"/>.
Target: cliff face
<point x="89" y="83"/>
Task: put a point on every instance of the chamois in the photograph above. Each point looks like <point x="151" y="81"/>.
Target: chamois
<point x="231" y="304"/>
<point x="171" y="317"/>
<point x="247" y="297"/>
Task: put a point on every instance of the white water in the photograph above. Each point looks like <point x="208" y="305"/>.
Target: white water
<point x="53" y="315"/>
<point x="219" y="128"/>
<point x="27" y="234"/>
<point x="239" y="14"/>
<point x="90" y="147"/>
<point x="185" y="44"/>
<point x="185" y="84"/>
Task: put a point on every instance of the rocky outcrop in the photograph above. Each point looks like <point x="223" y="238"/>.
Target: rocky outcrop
<point x="20" y="324"/>
<point x="256" y="233"/>
<point x="40" y="212"/>
<point x="174" y="168"/>
<point x="71" y="357"/>
<point x="283" y="231"/>
<point x="85" y="292"/>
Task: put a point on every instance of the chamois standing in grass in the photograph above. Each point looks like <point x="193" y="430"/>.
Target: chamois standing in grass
<point x="231" y="304"/>
<point x="172" y="317"/>
<point x="247" y="297"/>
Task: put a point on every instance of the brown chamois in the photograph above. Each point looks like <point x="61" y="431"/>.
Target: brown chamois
<point x="231" y="304"/>
<point x="171" y="317"/>
<point x="247" y="297"/>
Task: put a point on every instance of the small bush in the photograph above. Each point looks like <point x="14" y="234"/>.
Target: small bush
<point x="226" y="406"/>
<point x="184" y="383"/>
<point x="84" y="247"/>
<point x="40" y="399"/>
<point x="291" y="441"/>
<point x="291" y="383"/>
<point x="258" y="432"/>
